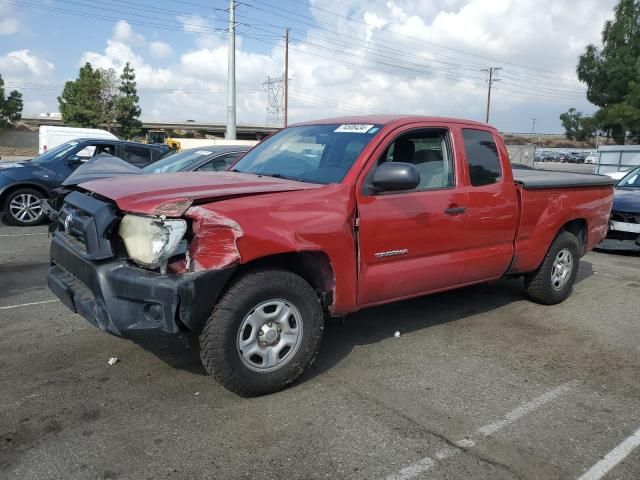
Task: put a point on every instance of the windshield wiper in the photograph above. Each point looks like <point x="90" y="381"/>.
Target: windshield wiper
<point x="284" y="177"/>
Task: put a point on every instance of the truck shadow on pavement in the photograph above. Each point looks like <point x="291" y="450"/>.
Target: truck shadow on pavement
<point x="365" y="327"/>
<point x="376" y="324"/>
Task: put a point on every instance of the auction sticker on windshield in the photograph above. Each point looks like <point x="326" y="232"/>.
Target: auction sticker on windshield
<point x="202" y="152"/>
<point x="353" y="128"/>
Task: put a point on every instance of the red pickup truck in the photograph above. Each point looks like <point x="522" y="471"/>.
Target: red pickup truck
<point x="322" y="218"/>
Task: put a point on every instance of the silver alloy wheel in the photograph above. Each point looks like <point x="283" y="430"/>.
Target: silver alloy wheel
<point x="562" y="268"/>
<point x="25" y="208"/>
<point x="269" y="335"/>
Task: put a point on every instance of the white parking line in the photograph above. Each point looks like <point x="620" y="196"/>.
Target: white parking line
<point x="9" y="307"/>
<point x="522" y="410"/>
<point x="612" y="458"/>
<point x="22" y="234"/>
<point x="426" y="463"/>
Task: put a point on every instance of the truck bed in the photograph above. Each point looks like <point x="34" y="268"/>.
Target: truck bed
<point x="542" y="179"/>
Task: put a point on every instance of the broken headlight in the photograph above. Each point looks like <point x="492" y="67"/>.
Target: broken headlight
<point x="151" y="241"/>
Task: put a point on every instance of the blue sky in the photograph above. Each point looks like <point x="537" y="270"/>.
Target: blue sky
<point x="347" y="57"/>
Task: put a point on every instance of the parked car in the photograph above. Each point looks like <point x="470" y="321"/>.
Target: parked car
<point x="576" y="157"/>
<point x="624" y="225"/>
<point x="204" y="159"/>
<point x="24" y="184"/>
<point x="592" y="157"/>
<point x="209" y="159"/>
<point x="252" y="259"/>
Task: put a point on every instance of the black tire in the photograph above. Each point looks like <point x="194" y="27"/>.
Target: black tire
<point x="540" y="286"/>
<point x="11" y="216"/>
<point x="219" y="349"/>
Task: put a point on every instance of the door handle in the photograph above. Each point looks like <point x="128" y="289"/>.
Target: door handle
<point x="455" y="210"/>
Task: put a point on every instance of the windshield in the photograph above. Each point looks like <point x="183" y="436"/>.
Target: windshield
<point x="177" y="161"/>
<point x="309" y="153"/>
<point x="55" y="152"/>
<point x="631" y="180"/>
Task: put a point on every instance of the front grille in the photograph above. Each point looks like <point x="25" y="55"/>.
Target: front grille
<point x="625" y="217"/>
<point x="85" y="224"/>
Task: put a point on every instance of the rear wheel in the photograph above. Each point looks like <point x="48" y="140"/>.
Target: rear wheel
<point x="553" y="281"/>
<point x="23" y="207"/>
<point x="263" y="333"/>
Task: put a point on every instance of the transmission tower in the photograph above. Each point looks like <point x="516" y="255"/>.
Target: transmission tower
<point x="274" y="86"/>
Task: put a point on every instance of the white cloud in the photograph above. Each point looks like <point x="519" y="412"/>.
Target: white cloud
<point x="123" y="33"/>
<point x="160" y="49"/>
<point x="407" y="72"/>
<point x="22" y="65"/>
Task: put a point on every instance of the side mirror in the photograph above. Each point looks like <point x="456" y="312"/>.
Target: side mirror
<point x="74" y="160"/>
<point x="395" y="177"/>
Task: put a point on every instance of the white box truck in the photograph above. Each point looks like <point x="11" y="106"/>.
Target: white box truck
<point x="51" y="136"/>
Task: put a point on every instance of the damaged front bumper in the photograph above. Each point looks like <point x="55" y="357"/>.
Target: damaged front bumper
<point x="622" y="236"/>
<point x="120" y="298"/>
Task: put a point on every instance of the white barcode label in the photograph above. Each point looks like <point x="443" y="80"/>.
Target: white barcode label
<point x="353" y="128"/>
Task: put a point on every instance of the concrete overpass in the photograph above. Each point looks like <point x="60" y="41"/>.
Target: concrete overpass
<point x="243" y="131"/>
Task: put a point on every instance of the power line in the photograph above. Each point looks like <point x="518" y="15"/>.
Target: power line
<point x="100" y="17"/>
<point x="393" y="32"/>
<point x="431" y="70"/>
<point x="547" y="94"/>
<point x="420" y="69"/>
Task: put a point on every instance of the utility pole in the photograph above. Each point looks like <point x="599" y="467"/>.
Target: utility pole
<point x="491" y="79"/>
<point x="286" y="77"/>
<point x="533" y="125"/>
<point x="231" y="75"/>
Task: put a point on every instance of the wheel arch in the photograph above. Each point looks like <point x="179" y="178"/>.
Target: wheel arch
<point x="6" y="191"/>
<point x="579" y="228"/>
<point x="313" y="266"/>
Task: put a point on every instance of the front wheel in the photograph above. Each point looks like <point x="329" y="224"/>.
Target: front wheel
<point x="553" y="281"/>
<point x="24" y="208"/>
<point x="263" y="333"/>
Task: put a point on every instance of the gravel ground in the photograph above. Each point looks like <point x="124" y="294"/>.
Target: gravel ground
<point x="480" y="384"/>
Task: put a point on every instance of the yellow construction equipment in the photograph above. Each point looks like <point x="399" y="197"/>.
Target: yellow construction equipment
<point x="160" y="136"/>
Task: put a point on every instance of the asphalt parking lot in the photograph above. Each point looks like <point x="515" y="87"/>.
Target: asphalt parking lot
<point x="480" y="384"/>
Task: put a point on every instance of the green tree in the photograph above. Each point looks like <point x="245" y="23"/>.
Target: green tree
<point x="610" y="70"/>
<point x="89" y="101"/>
<point x="127" y="108"/>
<point x="10" y="107"/>
<point x="577" y="126"/>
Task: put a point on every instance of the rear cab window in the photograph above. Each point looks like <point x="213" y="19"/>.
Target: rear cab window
<point x="138" y="156"/>
<point x="482" y="155"/>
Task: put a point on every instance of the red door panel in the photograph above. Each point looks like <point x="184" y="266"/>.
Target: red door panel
<point x="409" y="245"/>
<point x="492" y="219"/>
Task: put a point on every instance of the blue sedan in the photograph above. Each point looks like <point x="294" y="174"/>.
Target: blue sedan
<point x="624" y="225"/>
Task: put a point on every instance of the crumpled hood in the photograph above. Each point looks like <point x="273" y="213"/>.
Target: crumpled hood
<point x="627" y="201"/>
<point x="172" y="193"/>
<point x="102" y="165"/>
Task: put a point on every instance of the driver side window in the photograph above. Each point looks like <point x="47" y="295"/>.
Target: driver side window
<point x="428" y="151"/>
